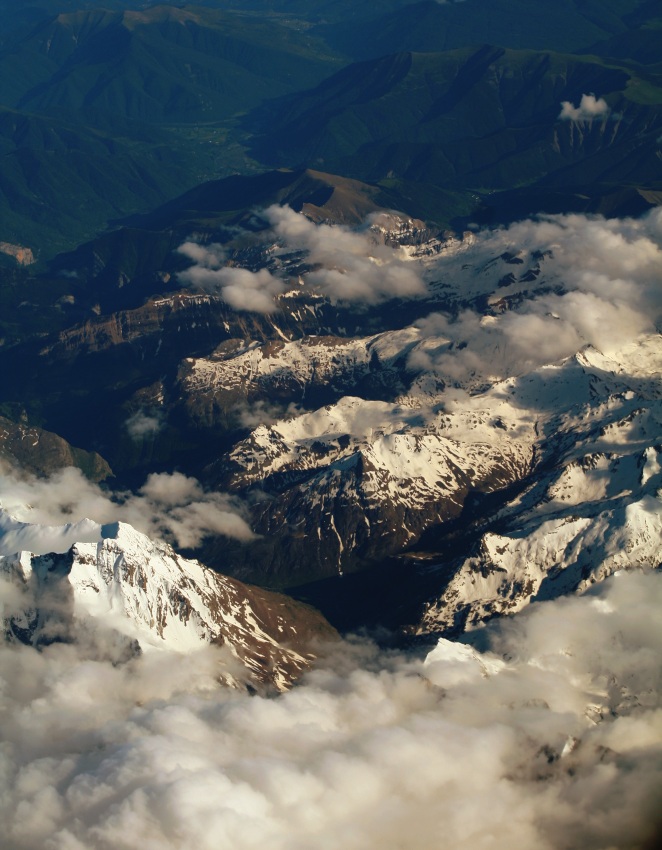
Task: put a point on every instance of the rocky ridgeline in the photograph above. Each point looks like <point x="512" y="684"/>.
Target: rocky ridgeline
<point x="594" y="506"/>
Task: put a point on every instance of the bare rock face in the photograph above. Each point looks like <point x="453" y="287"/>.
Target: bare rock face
<point x="142" y="596"/>
<point x="23" y="256"/>
<point x="551" y="479"/>
<point x="42" y="452"/>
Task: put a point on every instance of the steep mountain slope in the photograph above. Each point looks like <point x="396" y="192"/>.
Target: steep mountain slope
<point x="356" y="481"/>
<point x="566" y="26"/>
<point x="120" y="268"/>
<point x="412" y="466"/>
<point x="375" y="493"/>
<point x="476" y="120"/>
<point x="60" y="181"/>
<point x="108" y="113"/>
<point x="136" y="594"/>
<point x="128" y="350"/>
<point x="155" y="95"/>
<point x="160" y="64"/>
<point x="594" y="510"/>
<point x="375" y="397"/>
<point x="298" y="13"/>
<point x="37" y="451"/>
<point x="641" y="45"/>
<point x="641" y="42"/>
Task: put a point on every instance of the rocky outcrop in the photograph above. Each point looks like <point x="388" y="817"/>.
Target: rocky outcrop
<point x="23" y="256"/>
<point x="42" y="452"/>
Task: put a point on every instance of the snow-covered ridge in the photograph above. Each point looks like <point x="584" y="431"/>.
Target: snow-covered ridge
<point x="142" y="590"/>
<point x="534" y="347"/>
<point x="361" y="478"/>
<point x="532" y="353"/>
<point x="596" y="505"/>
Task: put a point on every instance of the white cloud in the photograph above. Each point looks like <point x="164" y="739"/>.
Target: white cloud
<point x="354" y="266"/>
<point x="170" y="506"/>
<point x="550" y="738"/>
<point x="589" y="108"/>
<point x="142" y="424"/>
<point x="600" y="287"/>
<point x="208" y="256"/>
<point x="16" y="536"/>
<point x="242" y="289"/>
<point x="347" y="266"/>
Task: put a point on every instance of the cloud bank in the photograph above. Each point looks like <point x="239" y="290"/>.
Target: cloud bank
<point x="599" y="286"/>
<point x="549" y="737"/>
<point x="169" y="506"/>
<point x="346" y="266"/>
<point x="589" y="108"/>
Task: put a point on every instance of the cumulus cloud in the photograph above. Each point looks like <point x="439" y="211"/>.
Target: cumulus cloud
<point x="353" y="265"/>
<point x="262" y="412"/>
<point x="543" y="731"/>
<point x="241" y="288"/>
<point x="600" y="287"/>
<point x="589" y="108"/>
<point x="207" y="256"/>
<point x="169" y="506"/>
<point x="347" y="265"/>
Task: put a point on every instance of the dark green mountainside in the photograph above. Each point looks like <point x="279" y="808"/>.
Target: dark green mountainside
<point x="60" y="181"/>
<point x="300" y="12"/>
<point x="110" y="113"/>
<point x="161" y="65"/>
<point x="475" y="121"/>
<point x="563" y="25"/>
<point x="107" y="110"/>
<point x="123" y="267"/>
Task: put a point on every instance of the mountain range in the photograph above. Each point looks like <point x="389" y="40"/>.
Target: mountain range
<point x="330" y="424"/>
<point x="477" y="122"/>
<point x="156" y="100"/>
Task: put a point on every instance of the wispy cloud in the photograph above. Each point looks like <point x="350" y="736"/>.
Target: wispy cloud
<point x="143" y="424"/>
<point x="17" y="536"/>
<point x="602" y="290"/>
<point x="346" y="266"/>
<point x="169" y="506"/>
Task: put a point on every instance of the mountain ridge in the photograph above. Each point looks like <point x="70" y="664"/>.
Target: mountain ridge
<point x="152" y="599"/>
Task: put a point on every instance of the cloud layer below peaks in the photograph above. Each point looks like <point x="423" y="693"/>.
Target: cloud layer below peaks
<point x="542" y="731"/>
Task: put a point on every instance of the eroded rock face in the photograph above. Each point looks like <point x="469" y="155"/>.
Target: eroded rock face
<point x="338" y="498"/>
<point x="140" y="595"/>
<point x="22" y="255"/>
